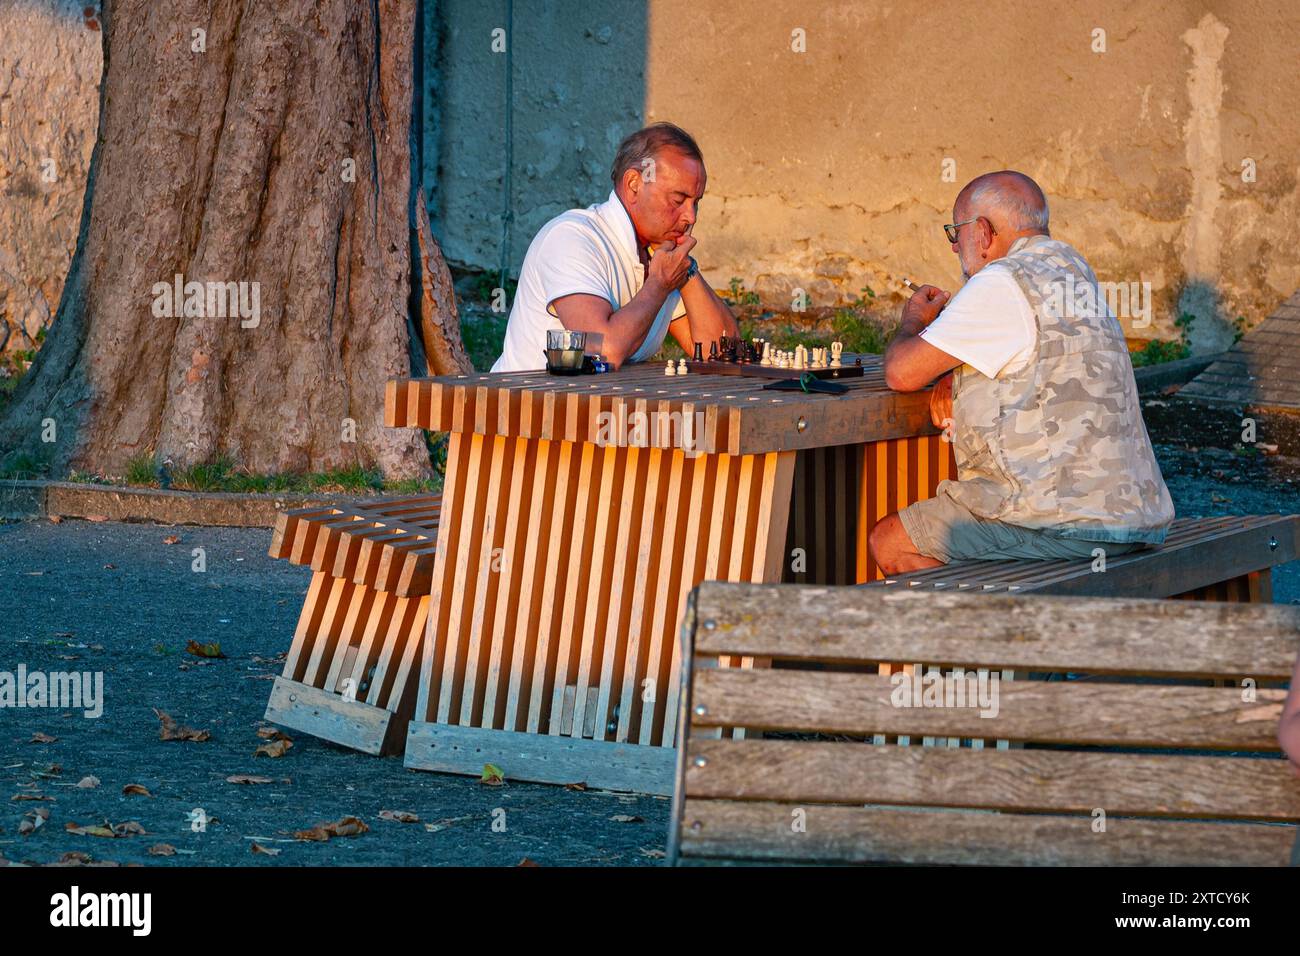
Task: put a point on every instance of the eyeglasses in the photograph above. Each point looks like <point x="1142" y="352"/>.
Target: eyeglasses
<point x="950" y="229"/>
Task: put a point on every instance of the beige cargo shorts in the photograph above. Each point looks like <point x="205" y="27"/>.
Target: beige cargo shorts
<point x="945" y="529"/>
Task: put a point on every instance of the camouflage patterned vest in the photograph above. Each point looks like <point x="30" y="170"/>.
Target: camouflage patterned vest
<point x="1060" y="445"/>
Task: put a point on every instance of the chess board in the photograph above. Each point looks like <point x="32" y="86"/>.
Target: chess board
<point x="755" y="370"/>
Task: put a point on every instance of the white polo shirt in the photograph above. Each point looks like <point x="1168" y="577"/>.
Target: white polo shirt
<point x="591" y="251"/>
<point x="988" y="324"/>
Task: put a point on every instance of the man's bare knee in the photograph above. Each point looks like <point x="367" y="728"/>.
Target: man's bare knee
<point x="893" y="549"/>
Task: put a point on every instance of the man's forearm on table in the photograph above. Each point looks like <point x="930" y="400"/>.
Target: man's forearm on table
<point x="710" y="318"/>
<point x="629" y="325"/>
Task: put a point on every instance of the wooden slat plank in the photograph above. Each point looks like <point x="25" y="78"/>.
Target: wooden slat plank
<point x="1101" y="635"/>
<point x="763" y="832"/>
<point x="1027" y="780"/>
<point x="1131" y="715"/>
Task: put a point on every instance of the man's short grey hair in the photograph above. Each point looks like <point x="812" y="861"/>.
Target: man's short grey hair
<point x="1019" y="204"/>
<point x="646" y="143"/>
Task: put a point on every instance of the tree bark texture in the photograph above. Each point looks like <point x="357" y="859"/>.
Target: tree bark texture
<point x="278" y="155"/>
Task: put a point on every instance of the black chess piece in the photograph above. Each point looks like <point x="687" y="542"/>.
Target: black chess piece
<point x="713" y="351"/>
<point x="699" y="351"/>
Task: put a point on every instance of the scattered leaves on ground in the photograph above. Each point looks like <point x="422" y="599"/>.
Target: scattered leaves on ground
<point x="321" y="832"/>
<point x="493" y="776"/>
<point x="169" y="730"/>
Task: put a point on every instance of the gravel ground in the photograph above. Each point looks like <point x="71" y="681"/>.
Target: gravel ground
<point x="115" y="598"/>
<point x="118" y="599"/>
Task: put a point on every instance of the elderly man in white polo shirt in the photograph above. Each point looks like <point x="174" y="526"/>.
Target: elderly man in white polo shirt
<point x="622" y="269"/>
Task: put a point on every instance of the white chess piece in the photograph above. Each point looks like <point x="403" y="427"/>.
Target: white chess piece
<point x="681" y="367"/>
<point x="767" y="354"/>
<point x="837" y="349"/>
<point x="671" y="369"/>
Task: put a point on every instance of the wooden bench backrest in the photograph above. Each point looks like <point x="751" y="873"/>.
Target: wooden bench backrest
<point x="823" y="799"/>
<point x="1197" y="554"/>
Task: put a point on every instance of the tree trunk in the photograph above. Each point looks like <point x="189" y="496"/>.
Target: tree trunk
<point x="270" y="150"/>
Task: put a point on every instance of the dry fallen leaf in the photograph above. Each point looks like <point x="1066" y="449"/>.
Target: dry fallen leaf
<point x="88" y="782"/>
<point x="526" y="862"/>
<point x="247" y="778"/>
<point x="135" y="790"/>
<point x="55" y="519"/>
<point x="130" y="828"/>
<point x="626" y="818"/>
<point x="258" y="848"/>
<point x="33" y="821"/>
<point x="274" y="748"/>
<point x="75" y="858"/>
<point x="31" y="796"/>
<point x="170" y="731"/>
<point x="40" y="738"/>
<point x="653" y="853"/>
<point x="399" y="816"/>
<point x="493" y="776"/>
<point x="95" y="831"/>
<point x="204" y="650"/>
<point x="110" y="567"/>
<point x="575" y="786"/>
<point x="348" y="826"/>
<point x="162" y="849"/>
<point x="272" y="733"/>
<point x="172" y="539"/>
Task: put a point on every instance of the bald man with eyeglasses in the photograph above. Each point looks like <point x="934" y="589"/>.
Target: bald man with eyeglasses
<point x="1036" y="390"/>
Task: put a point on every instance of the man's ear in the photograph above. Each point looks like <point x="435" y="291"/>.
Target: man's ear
<point x="632" y="182"/>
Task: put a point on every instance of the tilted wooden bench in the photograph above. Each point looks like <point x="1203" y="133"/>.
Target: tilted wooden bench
<point x="352" y="670"/>
<point x="1142" y="799"/>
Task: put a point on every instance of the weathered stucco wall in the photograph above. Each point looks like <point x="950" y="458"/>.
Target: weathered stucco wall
<point x="826" y="167"/>
<point x="50" y="64"/>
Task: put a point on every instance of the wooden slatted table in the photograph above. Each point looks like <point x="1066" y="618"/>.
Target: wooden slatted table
<point x="578" y="513"/>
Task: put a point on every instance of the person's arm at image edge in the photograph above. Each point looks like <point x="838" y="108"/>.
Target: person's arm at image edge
<point x="1288" y="728"/>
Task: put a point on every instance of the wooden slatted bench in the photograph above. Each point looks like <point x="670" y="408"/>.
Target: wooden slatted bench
<point x="1224" y="558"/>
<point x="352" y="670"/>
<point x="1227" y="558"/>
<point x="1142" y="765"/>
